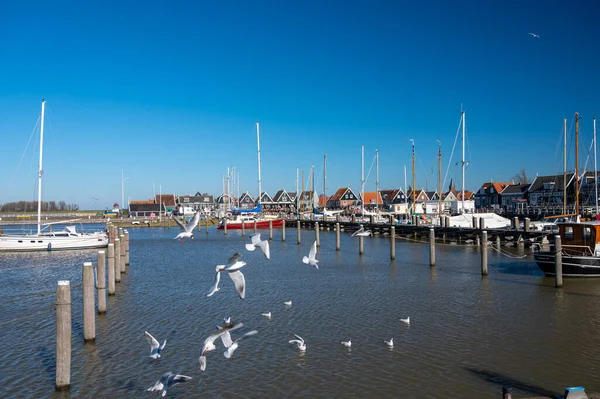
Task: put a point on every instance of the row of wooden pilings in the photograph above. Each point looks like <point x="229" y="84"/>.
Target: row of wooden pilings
<point x="482" y="243"/>
<point x="118" y="260"/>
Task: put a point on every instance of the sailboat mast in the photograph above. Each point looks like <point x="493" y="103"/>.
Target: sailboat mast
<point x="297" y="194"/>
<point x="414" y="178"/>
<point x="576" y="165"/>
<point x="377" y="180"/>
<point x="463" y="162"/>
<point x="565" y="166"/>
<point x="259" y="180"/>
<point x="595" y="167"/>
<point x="302" y="193"/>
<point x="362" y="179"/>
<point x="324" y="180"/>
<point x="405" y="189"/>
<point x="312" y="184"/>
<point x="439" y="185"/>
<point x="40" y="171"/>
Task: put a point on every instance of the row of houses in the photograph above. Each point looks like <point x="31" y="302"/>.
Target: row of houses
<point x="543" y="193"/>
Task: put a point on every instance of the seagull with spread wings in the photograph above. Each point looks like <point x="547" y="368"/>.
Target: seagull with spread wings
<point x="187" y="230"/>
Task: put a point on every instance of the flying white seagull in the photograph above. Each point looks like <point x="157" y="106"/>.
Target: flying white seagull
<point x="311" y="258"/>
<point x="299" y="342"/>
<point x="362" y="233"/>
<point x="155" y="347"/>
<point x="232" y="267"/>
<point x="229" y="352"/>
<point x="257" y="242"/>
<point x="167" y="380"/>
<point x="215" y="287"/>
<point x="534" y="35"/>
<point x="209" y="343"/>
<point x="187" y="231"/>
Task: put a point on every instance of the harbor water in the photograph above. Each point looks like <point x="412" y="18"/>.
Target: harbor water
<point x="469" y="335"/>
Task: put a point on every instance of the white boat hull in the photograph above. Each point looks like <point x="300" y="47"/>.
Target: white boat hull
<point x="51" y="242"/>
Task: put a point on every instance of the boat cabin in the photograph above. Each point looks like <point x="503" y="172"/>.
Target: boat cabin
<point x="580" y="239"/>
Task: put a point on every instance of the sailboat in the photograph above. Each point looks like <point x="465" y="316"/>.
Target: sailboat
<point x="244" y="217"/>
<point x="42" y="240"/>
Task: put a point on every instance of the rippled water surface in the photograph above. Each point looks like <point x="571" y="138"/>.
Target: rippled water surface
<point x="468" y="335"/>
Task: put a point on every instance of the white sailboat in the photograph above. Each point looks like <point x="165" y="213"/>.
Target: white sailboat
<point x="68" y="238"/>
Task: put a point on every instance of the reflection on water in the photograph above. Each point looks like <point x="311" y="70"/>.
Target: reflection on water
<point x="468" y="335"/>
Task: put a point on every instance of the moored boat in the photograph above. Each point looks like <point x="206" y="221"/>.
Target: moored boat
<point x="248" y="222"/>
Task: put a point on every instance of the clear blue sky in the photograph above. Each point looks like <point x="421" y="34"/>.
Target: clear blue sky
<point x="170" y="92"/>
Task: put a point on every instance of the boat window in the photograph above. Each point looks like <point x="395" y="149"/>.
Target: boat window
<point x="587" y="233"/>
<point x="569" y="232"/>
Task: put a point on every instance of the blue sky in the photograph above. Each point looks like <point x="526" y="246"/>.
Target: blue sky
<point x="170" y="92"/>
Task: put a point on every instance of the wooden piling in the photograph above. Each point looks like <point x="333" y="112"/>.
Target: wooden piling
<point x="338" y="218"/>
<point x="122" y="253"/>
<point x="117" y="260"/>
<point x="101" y="276"/>
<point x="206" y="224"/>
<point x="393" y="242"/>
<point x="126" y="248"/>
<point x="431" y="247"/>
<point x="558" y="277"/>
<point x="243" y="229"/>
<point x="270" y="229"/>
<point x="481" y="223"/>
<point x="372" y="219"/>
<point x="298" y="230"/>
<point x="337" y="236"/>
<point x="516" y="223"/>
<point x="361" y="243"/>
<point x="317" y="234"/>
<point x="353" y="218"/>
<point x="484" y="254"/>
<point x="498" y="241"/>
<point x="63" y="335"/>
<point x="225" y="226"/>
<point x="283" y="231"/>
<point x="474" y="222"/>
<point x="526" y="225"/>
<point x="255" y="227"/>
<point x="111" y="269"/>
<point x="89" y="305"/>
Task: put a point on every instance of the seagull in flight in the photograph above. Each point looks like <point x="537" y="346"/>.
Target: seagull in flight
<point x="311" y="258"/>
<point x="299" y="342"/>
<point x="262" y="244"/>
<point x="534" y="35"/>
<point x="167" y="380"/>
<point x="209" y="343"/>
<point x="155" y="347"/>
<point x="232" y="268"/>
<point x="362" y="233"/>
<point x="231" y="348"/>
<point x="187" y="231"/>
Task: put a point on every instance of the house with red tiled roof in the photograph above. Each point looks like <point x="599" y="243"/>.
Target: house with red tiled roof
<point x="167" y="200"/>
<point x="323" y="200"/>
<point x="372" y="200"/>
<point x="488" y="195"/>
<point x="343" y="198"/>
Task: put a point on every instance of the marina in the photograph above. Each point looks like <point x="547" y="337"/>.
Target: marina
<point x="468" y="335"/>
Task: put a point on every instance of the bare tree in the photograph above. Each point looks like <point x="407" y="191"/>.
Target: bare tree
<point x="521" y="177"/>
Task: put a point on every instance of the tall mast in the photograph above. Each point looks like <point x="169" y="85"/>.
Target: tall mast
<point x="595" y="167"/>
<point x="40" y="171"/>
<point x="576" y="165"/>
<point x="405" y="188"/>
<point x="324" y="180"/>
<point x="259" y="181"/>
<point x="439" y="186"/>
<point x="377" y="180"/>
<point x="362" y="179"/>
<point x="414" y="178"/>
<point x="565" y="166"/>
<point x="463" y="161"/>
<point x="297" y="194"/>
<point x="312" y="184"/>
<point x="302" y="192"/>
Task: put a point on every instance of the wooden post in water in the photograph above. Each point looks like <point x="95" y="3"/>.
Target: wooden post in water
<point x="111" y="269"/>
<point x="283" y="231"/>
<point x="474" y="223"/>
<point x="361" y="243"/>
<point x="526" y="225"/>
<point x="338" y="218"/>
<point x="63" y="335"/>
<point x="506" y="393"/>
<point x="498" y="241"/>
<point x="337" y="236"/>
<point x="353" y="218"/>
<point x="516" y="222"/>
<point x="317" y="235"/>
<point x="372" y="219"/>
<point x="255" y="227"/>
<point x="126" y="248"/>
<point x="225" y="226"/>
<point x="393" y="242"/>
<point x="270" y="229"/>
<point x="298" y="230"/>
<point x="481" y="223"/>
<point x="431" y="247"/>
<point x="89" y="305"/>
<point x="101" y="276"/>
<point x="558" y="277"/>
<point x="477" y="240"/>
<point x="484" y="254"/>
<point x="243" y="228"/>
<point x="122" y="261"/>
<point x="117" y="260"/>
<point x="206" y="224"/>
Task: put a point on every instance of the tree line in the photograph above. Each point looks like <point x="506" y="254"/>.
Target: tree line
<point x="31" y="206"/>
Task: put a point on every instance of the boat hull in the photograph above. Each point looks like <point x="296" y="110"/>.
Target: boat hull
<point x="29" y="243"/>
<point x="261" y="224"/>
<point x="572" y="266"/>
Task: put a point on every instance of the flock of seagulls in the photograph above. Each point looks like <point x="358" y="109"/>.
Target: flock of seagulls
<point x="223" y="332"/>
